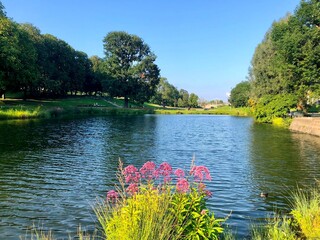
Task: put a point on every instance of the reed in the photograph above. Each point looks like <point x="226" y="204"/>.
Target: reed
<point x="276" y="228"/>
<point x="306" y="212"/>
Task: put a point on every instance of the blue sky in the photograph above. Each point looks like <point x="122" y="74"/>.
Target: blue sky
<point x="203" y="46"/>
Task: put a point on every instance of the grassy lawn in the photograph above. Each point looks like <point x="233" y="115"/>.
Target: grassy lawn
<point x="63" y="103"/>
<point x="70" y="106"/>
<point x="86" y="105"/>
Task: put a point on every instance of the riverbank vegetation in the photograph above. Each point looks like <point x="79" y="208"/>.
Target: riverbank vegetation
<point x="284" y="75"/>
<point x="165" y="203"/>
<point x="77" y="106"/>
<point x="303" y="221"/>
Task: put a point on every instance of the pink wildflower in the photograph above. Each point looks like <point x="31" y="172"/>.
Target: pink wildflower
<point x="133" y="188"/>
<point x="208" y="193"/>
<point x="112" y="195"/>
<point x="131" y="174"/>
<point x="204" y="212"/>
<point x="148" y="170"/>
<point x="202" y="189"/>
<point x="164" y="170"/>
<point x="182" y="185"/>
<point x="199" y="173"/>
<point x="179" y="173"/>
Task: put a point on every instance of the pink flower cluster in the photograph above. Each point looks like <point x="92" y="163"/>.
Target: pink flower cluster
<point x="182" y="185"/>
<point x="200" y="173"/>
<point x="131" y="174"/>
<point x="149" y="171"/>
<point x="112" y="195"/>
<point x="179" y="173"/>
<point x="132" y="189"/>
<point x="164" y="170"/>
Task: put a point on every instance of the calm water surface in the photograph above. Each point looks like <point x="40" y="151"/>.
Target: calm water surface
<point x="51" y="172"/>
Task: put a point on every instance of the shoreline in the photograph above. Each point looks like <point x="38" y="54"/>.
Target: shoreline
<point x="306" y="125"/>
<point x="90" y="106"/>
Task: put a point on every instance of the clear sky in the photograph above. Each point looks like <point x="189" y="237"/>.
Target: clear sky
<point x="203" y="46"/>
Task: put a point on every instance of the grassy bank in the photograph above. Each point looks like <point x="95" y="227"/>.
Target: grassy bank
<point x="303" y="222"/>
<point x="67" y="107"/>
<point x="225" y="110"/>
<point x="96" y="106"/>
<point x="145" y="211"/>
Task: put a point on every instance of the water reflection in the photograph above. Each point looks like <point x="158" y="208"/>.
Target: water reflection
<point x="281" y="161"/>
<point x="52" y="171"/>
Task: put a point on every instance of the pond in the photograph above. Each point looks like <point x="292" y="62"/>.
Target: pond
<point x="52" y="171"/>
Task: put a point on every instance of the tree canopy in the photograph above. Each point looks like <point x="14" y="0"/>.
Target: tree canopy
<point x="131" y="67"/>
<point x="287" y="61"/>
<point x="240" y="94"/>
<point x="2" y="11"/>
<point x="42" y="65"/>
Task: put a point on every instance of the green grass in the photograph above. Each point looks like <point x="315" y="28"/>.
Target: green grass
<point x="225" y="110"/>
<point x="66" y="107"/>
<point x="306" y="212"/>
<point x="276" y="228"/>
<point x="75" y="106"/>
<point x="19" y="113"/>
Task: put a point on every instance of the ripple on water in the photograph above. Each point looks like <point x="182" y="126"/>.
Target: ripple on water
<point x="51" y="172"/>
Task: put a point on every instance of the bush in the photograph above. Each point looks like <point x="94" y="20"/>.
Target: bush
<point x="146" y="205"/>
<point x="274" y="106"/>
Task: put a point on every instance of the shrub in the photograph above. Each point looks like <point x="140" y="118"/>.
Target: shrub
<point x="274" y="106"/>
<point x="158" y="203"/>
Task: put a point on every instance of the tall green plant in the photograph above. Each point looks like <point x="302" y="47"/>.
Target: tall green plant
<point x="274" y="106"/>
<point x="306" y="212"/>
<point x="147" y="205"/>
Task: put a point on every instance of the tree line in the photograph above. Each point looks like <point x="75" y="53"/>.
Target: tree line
<point x="168" y="95"/>
<point x="42" y="66"/>
<point x="284" y="71"/>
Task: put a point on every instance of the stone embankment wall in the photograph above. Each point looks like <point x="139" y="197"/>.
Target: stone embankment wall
<point x="309" y="125"/>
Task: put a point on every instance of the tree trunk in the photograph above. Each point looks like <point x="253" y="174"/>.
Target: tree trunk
<point x="126" y="102"/>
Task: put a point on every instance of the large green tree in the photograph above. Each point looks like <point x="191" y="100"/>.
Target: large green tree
<point x="18" y="56"/>
<point x="183" y="100"/>
<point x="130" y="66"/>
<point x="166" y="94"/>
<point x="240" y="94"/>
<point x="58" y="69"/>
<point x="97" y="66"/>
<point x="9" y="50"/>
<point x="193" y="100"/>
<point x="288" y="59"/>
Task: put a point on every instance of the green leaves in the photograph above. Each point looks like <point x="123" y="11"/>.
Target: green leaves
<point x="131" y="67"/>
<point x="287" y="61"/>
<point x="194" y="220"/>
<point x="270" y="107"/>
<point x="240" y="94"/>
